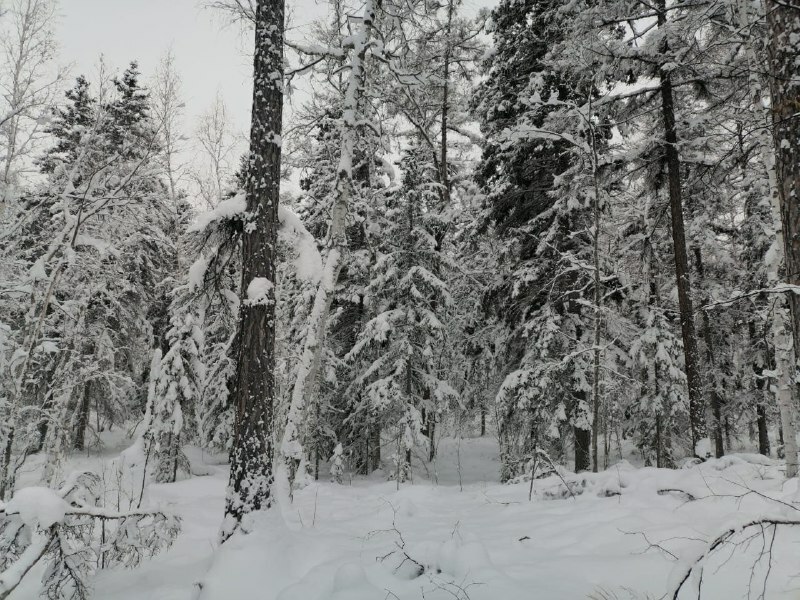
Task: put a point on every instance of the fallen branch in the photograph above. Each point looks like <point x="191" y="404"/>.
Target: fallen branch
<point x="723" y="538"/>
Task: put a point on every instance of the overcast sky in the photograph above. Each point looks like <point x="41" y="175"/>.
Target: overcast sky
<point x="209" y="55"/>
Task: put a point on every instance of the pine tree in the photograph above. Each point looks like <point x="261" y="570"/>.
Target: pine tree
<point x="254" y="386"/>
<point x="177" y="390"/>
<point x="543" y="233"/>
<point x="401" y="349"/>
<point x="107" y="218"/>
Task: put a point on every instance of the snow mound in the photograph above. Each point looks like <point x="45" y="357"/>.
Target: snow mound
<point x="227" y="209"/>
<point x="628" y="533"/>
<point x="38" y="507"/>
<point x="349" y="576"/>
<point x="259" y="291"/>
<point x="307" y="261"/>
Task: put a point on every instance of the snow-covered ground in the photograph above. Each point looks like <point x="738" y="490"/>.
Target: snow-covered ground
<point x="621" y="536"/>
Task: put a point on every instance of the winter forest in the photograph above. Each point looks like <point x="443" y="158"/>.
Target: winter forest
<point x="487" y="301"/>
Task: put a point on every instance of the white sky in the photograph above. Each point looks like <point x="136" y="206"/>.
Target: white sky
<point x="209" y="54"/>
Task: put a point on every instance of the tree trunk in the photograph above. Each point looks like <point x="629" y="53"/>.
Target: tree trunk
<point x="431" y="433"/>
<point x="763" y="436"/>
<point x="597" y="299"/>
<point x="659" y="453"/>
<point x="253" y="392"/>
<point x="374" y="458"/>
<point x="583" y="439"/>
<point x="715" y="419"/>
<point x="83" y="418"/>
<point x="783" y="21"/>
<point x="444" y="175"/>
<point x="305" y="382"/>
<point x="761" y="411"/>
<point x="689" y="335"/>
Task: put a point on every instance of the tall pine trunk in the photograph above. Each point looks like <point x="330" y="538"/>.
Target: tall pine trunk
<point x="783" y="21"/>
<point x="783" y="174"/>
<point x="253" y="390"/>
<point x="715" y="419"/>
<point x="79" y="442"/>
<point x="597" y="296"/>
<point x="688" y="332"/>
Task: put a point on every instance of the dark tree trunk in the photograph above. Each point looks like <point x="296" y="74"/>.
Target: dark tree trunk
<point x="711" y="360"/>
<point x="253" y="392"/>
<point x="763" y="437"/>
<point x="83" y="418"/>
<point x="689" y="335"/>
<point x="659" y="452"/>
<point x="783" y="20"/>
<point x="583" y="439"/>
<point x="431" y="435"/>
<point x="763" y="392"/>
<point x="375" y="449"/>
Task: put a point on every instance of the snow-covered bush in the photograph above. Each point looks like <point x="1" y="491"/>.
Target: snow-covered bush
<point x="74" y="535"/>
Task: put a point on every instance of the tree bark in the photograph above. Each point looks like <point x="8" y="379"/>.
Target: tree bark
<point x="253" y="392"/>
<point x="783" y="22"/>
<point x="688" y="332"/>
<point x="374" y="459"/>
<point x="305" y="383"/>
<point x="582" y="451"/>
<point x="83" y="418"/>
<point x="597" y="296"/>
<point x="715" y="419"/>
<point x="763" y="436"/>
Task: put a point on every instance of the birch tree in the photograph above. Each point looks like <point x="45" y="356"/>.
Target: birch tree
<point x="356" y="48"/>
<point x="29" y="81"/>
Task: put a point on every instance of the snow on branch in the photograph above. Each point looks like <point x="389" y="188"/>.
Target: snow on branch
<point x="308" y="261"/>
<point x="74" y="536"/>
<point x="227" y="209"/>
<point x="691" y="571"/>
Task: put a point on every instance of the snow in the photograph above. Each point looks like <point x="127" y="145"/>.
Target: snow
<point x="38" y="507"/>
<point x="226" y="209"/>
<point x="308" y="261"/>
<point x="365" y="540"/>
<point x="197" y="272"/>
<point x="37" y="271"/>
<point x="258" y="291"/>
<point x="48" y="347"/>
<point x="103" y="247"/>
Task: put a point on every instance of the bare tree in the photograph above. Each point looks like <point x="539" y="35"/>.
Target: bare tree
<point x="239" y="10"/>
<point x="168" y="114"/>
<point x="28" y="83"/>
<point x="217" y="143"/>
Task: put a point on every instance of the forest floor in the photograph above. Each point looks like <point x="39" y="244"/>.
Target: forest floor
<point x="622" y="535"/>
